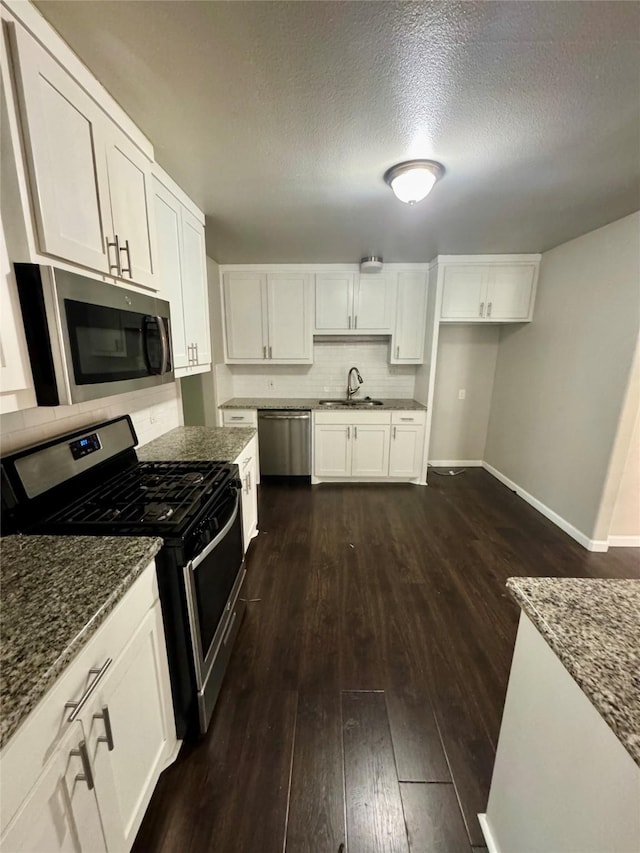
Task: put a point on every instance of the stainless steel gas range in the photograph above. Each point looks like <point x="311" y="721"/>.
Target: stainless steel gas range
<point x="90" y="482"/>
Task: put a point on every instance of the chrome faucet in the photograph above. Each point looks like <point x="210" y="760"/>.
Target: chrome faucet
<point x="351" y="391"/>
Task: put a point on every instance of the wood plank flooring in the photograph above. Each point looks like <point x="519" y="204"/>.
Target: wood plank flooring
<point x="363" y="699"/>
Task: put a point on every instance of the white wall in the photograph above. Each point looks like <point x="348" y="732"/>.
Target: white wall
<point x="154" y="412"/>
<point x="625" y="519"/>
<point x="466" y="360"/>
<point x="561" y="381"/>
<point x="327" y="376"/>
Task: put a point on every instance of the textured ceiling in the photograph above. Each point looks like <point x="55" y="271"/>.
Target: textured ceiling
<point x="280" y="118"/>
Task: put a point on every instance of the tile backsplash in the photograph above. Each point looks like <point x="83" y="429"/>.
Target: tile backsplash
<point x="327" y="376"/>
<point x="153" y="411"/>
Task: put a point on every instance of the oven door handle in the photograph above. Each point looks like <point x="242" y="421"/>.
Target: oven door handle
<point x="214" y="542"/>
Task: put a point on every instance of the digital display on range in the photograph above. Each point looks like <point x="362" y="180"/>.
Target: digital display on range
<point x="85" y="445"/>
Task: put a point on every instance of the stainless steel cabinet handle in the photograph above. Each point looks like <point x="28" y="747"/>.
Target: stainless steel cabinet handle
<point x="348" y="432"/>
<point x="87" y="774"/>
<point x="264" y="352"/>
<point x="127" y="250"/>
<point x="248" y="481"/>
<point x="407" y="419"/>
<point x="270" y="353"/>
<point x="481" y="308"/>
<point x="397" y="352"/>
<point x="115" y="245"/>
<point x="489" y="309"/>
<point x="108" y="732"/>
<point x="394" y="432"/>
<point x="349" y="320"/>
<point x="82" y="701"/>
<point x="246" y="485"/>
<point x="237" y="417"/>
<point x="355" y="433"/>
<point x="355" y="322"/>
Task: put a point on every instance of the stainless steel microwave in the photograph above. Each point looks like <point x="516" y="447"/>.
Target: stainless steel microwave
<point x="89" y="339"/>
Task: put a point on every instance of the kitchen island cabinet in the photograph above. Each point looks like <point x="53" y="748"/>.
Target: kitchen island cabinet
<point x="567" y="768"/>
<point x="87" y="714"/>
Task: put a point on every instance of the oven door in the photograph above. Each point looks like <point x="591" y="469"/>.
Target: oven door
<point x="213" y="580"/>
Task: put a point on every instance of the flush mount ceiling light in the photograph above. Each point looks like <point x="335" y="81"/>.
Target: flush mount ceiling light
<point x="413" y="180"/>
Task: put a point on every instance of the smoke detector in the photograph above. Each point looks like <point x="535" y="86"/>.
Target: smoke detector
<point x="372" y="263"/>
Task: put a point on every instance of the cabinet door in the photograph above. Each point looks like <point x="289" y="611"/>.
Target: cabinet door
<point x="61" y="812"/>
<point x="168" y="221"/>
<point x="64" y="145"/>
<point x="332" y="445"/>
<point x="133" y="707"/>
<point x="195" y="297"/>
<point x="405" y="455"/>
<point x="243" y="315"/>
<point x="289" y="317"/>
<point x="407" y="344"/>
<point x="248" y="472"/>
<point x="370" y="450"/>
<point x="509" y="292"/>
<point x="131" y="206"/>
<point x="334" y="301"/>
<point x="464" y="293"/>
<point x="373" y="304"/>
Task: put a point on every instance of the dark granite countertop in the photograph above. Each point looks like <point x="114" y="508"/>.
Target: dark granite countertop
<point x="194" y="444"/>
<point x="313" y="403"/>
<point x="594" y="628"/>
<point x="54" y="593"/>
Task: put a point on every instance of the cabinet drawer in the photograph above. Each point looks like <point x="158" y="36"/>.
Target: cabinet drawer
<point x="26" y="753"/>
<point x="417" y="417"/>
<point x="350" y="417"/>
<point x="240" y="417"/>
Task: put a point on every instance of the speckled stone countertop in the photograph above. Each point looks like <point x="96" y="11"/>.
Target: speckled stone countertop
<point x="594" y="628"/>
<point x="309" y="403"/>
<point x="194" y="444"/>
<point x="54" y="593"/>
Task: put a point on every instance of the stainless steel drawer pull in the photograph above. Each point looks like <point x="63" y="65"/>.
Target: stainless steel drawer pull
<point x="481" y="308"/>
<point x="348" y="432"/>
<point x="355" y="432"/>
<point x="264" y="352"/>
<point x="355" y="322"/>
<point x="406" y="419"/>
<point x="108" y="731"/>
<point x="394" y="432"/>
<point x="76" y="707"/>
<point x="248" y="481"/>
<point x="197" y="358"/>
<point x="489" y="306"/>
<point x="87" y="774"/>
<point x="270" y="353"/>
<point x="237" y="417"/>
<point x="115" y="245"/>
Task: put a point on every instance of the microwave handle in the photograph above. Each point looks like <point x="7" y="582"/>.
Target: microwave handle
<point x="164" y="343"/>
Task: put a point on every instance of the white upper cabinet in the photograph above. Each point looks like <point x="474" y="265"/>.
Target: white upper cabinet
<point x="268" y="317"/>
<point x="182" y="277"/>
<point x="489" y="292"/>
<point x="243" y="314"/>
<point x="90" y="184"/>
<point x="407" y="341"/>
<point x="347" y="302"/>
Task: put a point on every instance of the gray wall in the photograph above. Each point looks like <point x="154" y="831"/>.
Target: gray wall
<point x="466" y="359"/>
<point x="561" y="381"/>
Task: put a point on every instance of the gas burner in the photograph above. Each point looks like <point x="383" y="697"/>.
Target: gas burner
<point x="151" y="480"/>
<point x="157" y="512"/>
<point x="192" y="479"/>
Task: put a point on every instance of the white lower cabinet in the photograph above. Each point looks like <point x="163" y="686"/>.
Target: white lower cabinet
<point x="81" y="778"/>
<point x="368" y="445"/>
<point x="247" y="463"/>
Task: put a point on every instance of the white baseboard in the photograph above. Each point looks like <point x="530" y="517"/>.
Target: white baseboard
<point x="455" y="463"/>
<point x="492" y="847"/>
<point x="624" y="541"/>
<point x="562" y="523"/>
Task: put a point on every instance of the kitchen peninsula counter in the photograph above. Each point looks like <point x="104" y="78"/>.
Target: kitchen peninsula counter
<point x="314" y="404"/>
<point x="197" y="443"/>
<point x="55" y="591"/>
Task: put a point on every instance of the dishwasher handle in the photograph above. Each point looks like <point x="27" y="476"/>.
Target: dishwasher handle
<point x="297" y="417"/>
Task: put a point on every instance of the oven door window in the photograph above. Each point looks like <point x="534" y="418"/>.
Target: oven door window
<point x="109" y="344"/>
<point x="215" y="575"/>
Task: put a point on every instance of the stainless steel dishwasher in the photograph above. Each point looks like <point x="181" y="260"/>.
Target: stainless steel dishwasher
<point x="284" y="437"/>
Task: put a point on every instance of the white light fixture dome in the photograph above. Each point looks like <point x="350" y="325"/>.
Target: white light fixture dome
<point x="413" y="180"/>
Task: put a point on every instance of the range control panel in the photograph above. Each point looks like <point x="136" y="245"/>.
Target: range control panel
<point x="85" y="445"/>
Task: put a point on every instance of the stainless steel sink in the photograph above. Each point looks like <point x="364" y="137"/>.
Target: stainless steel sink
<point x="350" y="404"/>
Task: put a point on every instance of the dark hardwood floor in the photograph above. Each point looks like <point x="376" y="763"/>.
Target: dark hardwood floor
<point x="363" y="700"/>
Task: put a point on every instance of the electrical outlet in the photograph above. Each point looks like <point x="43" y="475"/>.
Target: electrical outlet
<point x="462" y="393"/>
